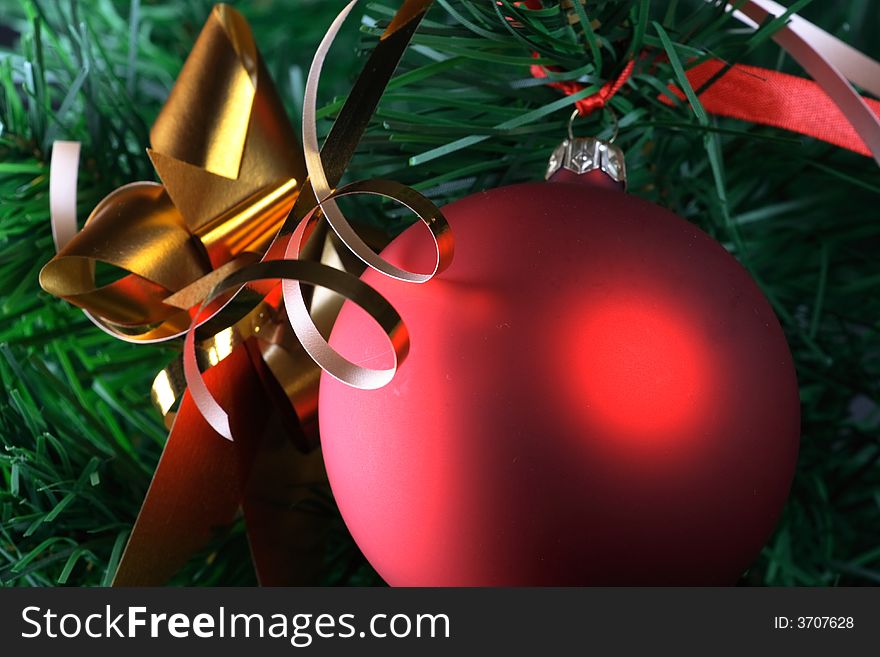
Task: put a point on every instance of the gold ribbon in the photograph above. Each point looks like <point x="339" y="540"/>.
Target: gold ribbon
<point x="231" y="169"/>
<point x="203" y="255"/>
<point x="231" y="172"/>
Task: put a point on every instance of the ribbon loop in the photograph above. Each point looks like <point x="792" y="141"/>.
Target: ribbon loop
<point x="199" y="256"/>
<point x="829" y="109"/>
<point x="200" y="253"/>
<point x="323" y="192"/>
<point x="231" y="169"/>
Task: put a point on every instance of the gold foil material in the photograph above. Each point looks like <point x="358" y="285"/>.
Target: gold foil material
<point x="338" y="149"/>
<point x="139" y="231"/>
<point x="293" y="368"/>
<point x="207" y="116"/>
<point x="231" y="169"/>
<point x="231" y="172"/>
<point x="201" y="255"/>
<point x="223" y="135"/>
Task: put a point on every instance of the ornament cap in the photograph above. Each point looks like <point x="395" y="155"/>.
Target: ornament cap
<point x="581" y="155"/>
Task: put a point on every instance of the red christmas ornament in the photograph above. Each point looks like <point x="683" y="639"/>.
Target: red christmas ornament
<point x="596" y="393"/>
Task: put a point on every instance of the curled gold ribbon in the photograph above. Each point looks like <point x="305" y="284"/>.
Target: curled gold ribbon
<point x="309" y="336"/>
<point x="326" y="199"/>
<point x="293" y="271"/>
<point x="202" y="254"/>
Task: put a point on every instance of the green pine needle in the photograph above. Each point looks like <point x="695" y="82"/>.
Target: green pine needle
<point x="78" y="438"/>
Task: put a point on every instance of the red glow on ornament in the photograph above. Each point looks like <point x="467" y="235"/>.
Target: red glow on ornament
<point x="642" y="370"/>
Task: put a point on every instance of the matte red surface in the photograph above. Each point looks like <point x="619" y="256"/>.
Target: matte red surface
<point x="596" y="393"/>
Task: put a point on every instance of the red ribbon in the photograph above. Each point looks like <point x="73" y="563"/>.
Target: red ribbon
<point x="593" y="102"/>
<point x="759" y="95"/>
<point x="747" y="93"/>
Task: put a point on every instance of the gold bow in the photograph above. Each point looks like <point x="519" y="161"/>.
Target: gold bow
<point x="231" y="169"/>
<point x="153" y="261"/>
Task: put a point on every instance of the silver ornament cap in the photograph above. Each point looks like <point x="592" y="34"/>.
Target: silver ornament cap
<point x="584" y="154"/>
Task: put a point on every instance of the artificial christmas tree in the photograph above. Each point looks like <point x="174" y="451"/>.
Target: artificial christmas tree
<point x="81" y="439"/>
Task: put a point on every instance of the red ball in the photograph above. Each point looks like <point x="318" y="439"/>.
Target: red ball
<point x="597" y="393"/>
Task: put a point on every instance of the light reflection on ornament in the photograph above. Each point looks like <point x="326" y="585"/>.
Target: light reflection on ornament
<point x="640" y="367"/>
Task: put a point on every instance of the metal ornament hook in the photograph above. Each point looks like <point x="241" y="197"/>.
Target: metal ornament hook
<point x="614" y="122"/>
